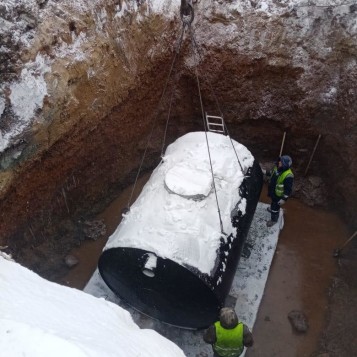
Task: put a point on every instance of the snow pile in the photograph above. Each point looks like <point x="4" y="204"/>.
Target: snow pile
<point x="39" y="318"/>
<point x="185" y="230"/>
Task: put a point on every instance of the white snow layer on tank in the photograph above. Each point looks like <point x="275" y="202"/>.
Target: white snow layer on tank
<point x="187" y="180"/>
<point x="181" y="229"/>
<point x="242" y="205"/>
<point x="41" y="319"/>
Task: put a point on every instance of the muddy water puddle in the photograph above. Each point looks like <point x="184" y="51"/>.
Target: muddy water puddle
<point x="299" y="278"/>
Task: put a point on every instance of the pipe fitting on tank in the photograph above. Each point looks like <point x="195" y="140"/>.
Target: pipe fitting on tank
<point x="150" y="265"/>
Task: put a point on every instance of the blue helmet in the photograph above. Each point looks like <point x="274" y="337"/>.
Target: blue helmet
<point x="286" y="161"/>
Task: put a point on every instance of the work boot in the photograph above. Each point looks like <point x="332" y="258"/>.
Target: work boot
<point x="270" y="223"/>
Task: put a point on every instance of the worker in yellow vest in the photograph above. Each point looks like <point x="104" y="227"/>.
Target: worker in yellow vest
<point x="227" y="336"/>
<point x="281" y="180"/>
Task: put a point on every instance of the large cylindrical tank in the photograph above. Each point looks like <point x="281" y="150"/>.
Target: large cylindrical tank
<point x="169" y="258"/>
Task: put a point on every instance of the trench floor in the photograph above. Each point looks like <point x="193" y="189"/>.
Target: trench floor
<point x="302" y="271"/>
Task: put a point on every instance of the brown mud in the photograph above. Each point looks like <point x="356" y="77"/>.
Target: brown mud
<point x="89" y="251"/>
<point x="302" y="277"/>
<point x="302" y="271"/>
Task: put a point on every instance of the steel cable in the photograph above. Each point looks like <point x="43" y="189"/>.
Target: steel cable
<point x="204" y="124"/>
<point x="219" y="109"/>
<point x="177" y="50"/>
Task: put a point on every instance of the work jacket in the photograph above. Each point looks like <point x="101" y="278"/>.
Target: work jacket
<point x="281" y="183"/>
<point x="229" y="342"/>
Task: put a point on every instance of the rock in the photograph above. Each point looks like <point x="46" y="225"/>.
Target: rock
<point x="71" y="261"/>
<point x="311" y="190"/>
<point x="94" y="229"/>
<point x="298" y="321"/>
<point x="315" y="181"/>
<point x="6" y="256"/>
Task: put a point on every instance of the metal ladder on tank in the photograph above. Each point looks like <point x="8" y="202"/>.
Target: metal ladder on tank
<point x="215" y="124"/>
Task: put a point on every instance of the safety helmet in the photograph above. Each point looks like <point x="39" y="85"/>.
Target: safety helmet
<point x="228" y="317"/>
<point x="286" y="161"/>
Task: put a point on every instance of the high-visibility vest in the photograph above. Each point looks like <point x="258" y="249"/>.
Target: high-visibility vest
<point x="229" y="342"/>
<point x="279" y="187"/>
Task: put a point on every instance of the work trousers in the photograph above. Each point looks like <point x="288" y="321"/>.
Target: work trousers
<point x="274" y="208"/>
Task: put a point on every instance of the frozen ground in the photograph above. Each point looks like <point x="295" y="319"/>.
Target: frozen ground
<point x="246" y="292"/>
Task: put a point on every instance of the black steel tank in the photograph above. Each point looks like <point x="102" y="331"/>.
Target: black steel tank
<point x="180" y="294"/>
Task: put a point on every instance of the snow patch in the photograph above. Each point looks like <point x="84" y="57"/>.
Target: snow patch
<point x="39" y="319"/>
<point x="2" y="105"/>
<point x="330" y="95"/>
<point x="102" y="18"/>
<point x="27" y="94"/>
<point x="75" y="49"/>
<point x="167" y="7"/>
<point x="4" y="142"/>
